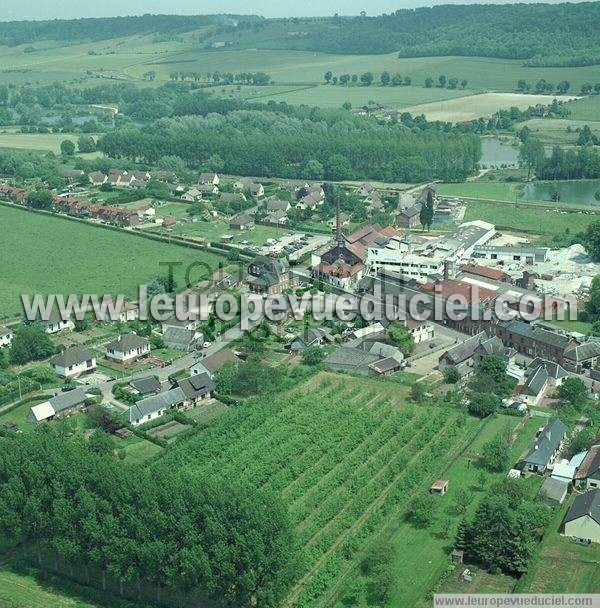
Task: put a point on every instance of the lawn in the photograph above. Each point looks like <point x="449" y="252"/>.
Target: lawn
<point x="19" y="414"/>
<point x="43" y="254"/>
<point x="24" y="591"/>
<point x="45" y="142"/>
<point x="213" y="231"/>
<point x="137" y="450"/>
<point x="562" y="566"/>
<point x="358" y="451"/>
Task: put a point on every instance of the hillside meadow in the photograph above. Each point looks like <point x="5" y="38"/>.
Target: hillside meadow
<point x="44" y="254"/>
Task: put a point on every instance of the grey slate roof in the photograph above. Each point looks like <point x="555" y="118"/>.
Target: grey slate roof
<point x="147" y="385"/>
<point x="352" y="359"/>
<point x="179" y="336"/>
<point x="151" y="405"/>
<point x="385" y="365"/>
<point x="464" y="350"/>
<point x="65" y="401"/>
<point x="71" y="356"/>
<point x="546" y="444"/>
<point x="127" y="343"/>
<point x="583" y="352"/>
<point x="554" y="369"/>
<point x="537" y="381"/>
<point x="585" y="504"/>
<point x="197" y="386"/>
<point x="4" y="331"/>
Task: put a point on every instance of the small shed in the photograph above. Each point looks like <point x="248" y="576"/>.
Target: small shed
<point x="554" y="491"/>
<point x="439" y="486"/>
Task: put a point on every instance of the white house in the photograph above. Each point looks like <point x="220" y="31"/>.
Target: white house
<point x="583" y="519"/>
<point x="56" y="323"/>
<point x="6" y="336"/>
<point x="128" y="348"/>
<point x="60" y="405"/>
<point x="73" y="362"/>
<point x="155" y="406"/>
<point x="209" y="178"/>
<point x="128" y="312"/>
<point x="193" y="195"/>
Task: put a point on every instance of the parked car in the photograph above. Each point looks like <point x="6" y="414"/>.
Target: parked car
<point x="206" y="344"/>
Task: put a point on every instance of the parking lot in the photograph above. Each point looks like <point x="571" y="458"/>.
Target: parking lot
<point x="295" y="245"/>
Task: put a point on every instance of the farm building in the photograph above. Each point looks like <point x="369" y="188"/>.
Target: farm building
<point x="60" y="405"/>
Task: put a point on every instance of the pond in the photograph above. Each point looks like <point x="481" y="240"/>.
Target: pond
<point x="495" y="153"/>
<point x="581" y="192"/>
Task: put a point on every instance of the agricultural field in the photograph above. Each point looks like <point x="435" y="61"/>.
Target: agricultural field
<point x="44" y="142"/>
<point x="326" y="96"/>
<point x="62" y="256"/>
<point x="343" y="434"/>
<point x="475" y="106"/>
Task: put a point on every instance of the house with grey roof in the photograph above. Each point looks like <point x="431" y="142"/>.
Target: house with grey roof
<point x="59" y="405"/>
<point x="242" y="222"/>
<point x="149" y="385"/>
<point x="385" y="367"/>
<point x="541" y="376"/>
<point x="182" y="338"/>
<point x="155" y="406"/>
<point x="127" y="348"/>
<point x="209" y="178"/>
<point x="588" y="472"/>
<point x="213" y="363"/>
<point x="56" y="323"/>
<point x="409" y="217"/>
<point x="312" y="336"/>
<point x="351" y="360"/>
<point x="582" y="521"/>
<point x="463" y="352"/>
<point x="197" y="388"/>
<point x="73" y="362"/>
<point x="275" y="204"/>
<point x="582" y="356"/>
<point x="542" y="452"/>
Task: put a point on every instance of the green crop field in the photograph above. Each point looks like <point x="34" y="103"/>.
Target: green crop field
<point x="360" y="453"/>
<point x="43" y="254"/>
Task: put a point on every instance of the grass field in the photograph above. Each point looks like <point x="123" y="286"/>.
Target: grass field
<point x="551" y="132"/>
<point x="585" y="109"/>
<point x="45" y="142"/>
<point x="43" y="254"/>
<point x="474" y="106"/>
<point x="529" y="220"/>
<point x="360" y="454"/>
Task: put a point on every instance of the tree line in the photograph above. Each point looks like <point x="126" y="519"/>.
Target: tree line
<point x="166" y="528"/>
<point x="542" y="86"/>
<point x="268" y="143"/>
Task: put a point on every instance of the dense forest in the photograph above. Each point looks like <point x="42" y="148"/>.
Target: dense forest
<point x="13" y="33"/>
<point x="253" y="142"/>
<point x="163" y="527"/>
<point x="512" y="31"/>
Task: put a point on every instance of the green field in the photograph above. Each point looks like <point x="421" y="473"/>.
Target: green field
<point x="45" y="142"/>
<point x="43" y="254"/>
<point x="334" y="96"/>
<point x="360" y="454"/>
<point x="529" y="220"/>
<point x="554" y="132"/>
<point x="585" y="109"/>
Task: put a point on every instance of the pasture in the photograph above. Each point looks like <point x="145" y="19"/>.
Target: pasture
<point x="347" y="455"/>
<point x="475" y="106"/>
<point x="587" y="109"/>
<point x="45" y="254"/>
<point x="561" y="131"/>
